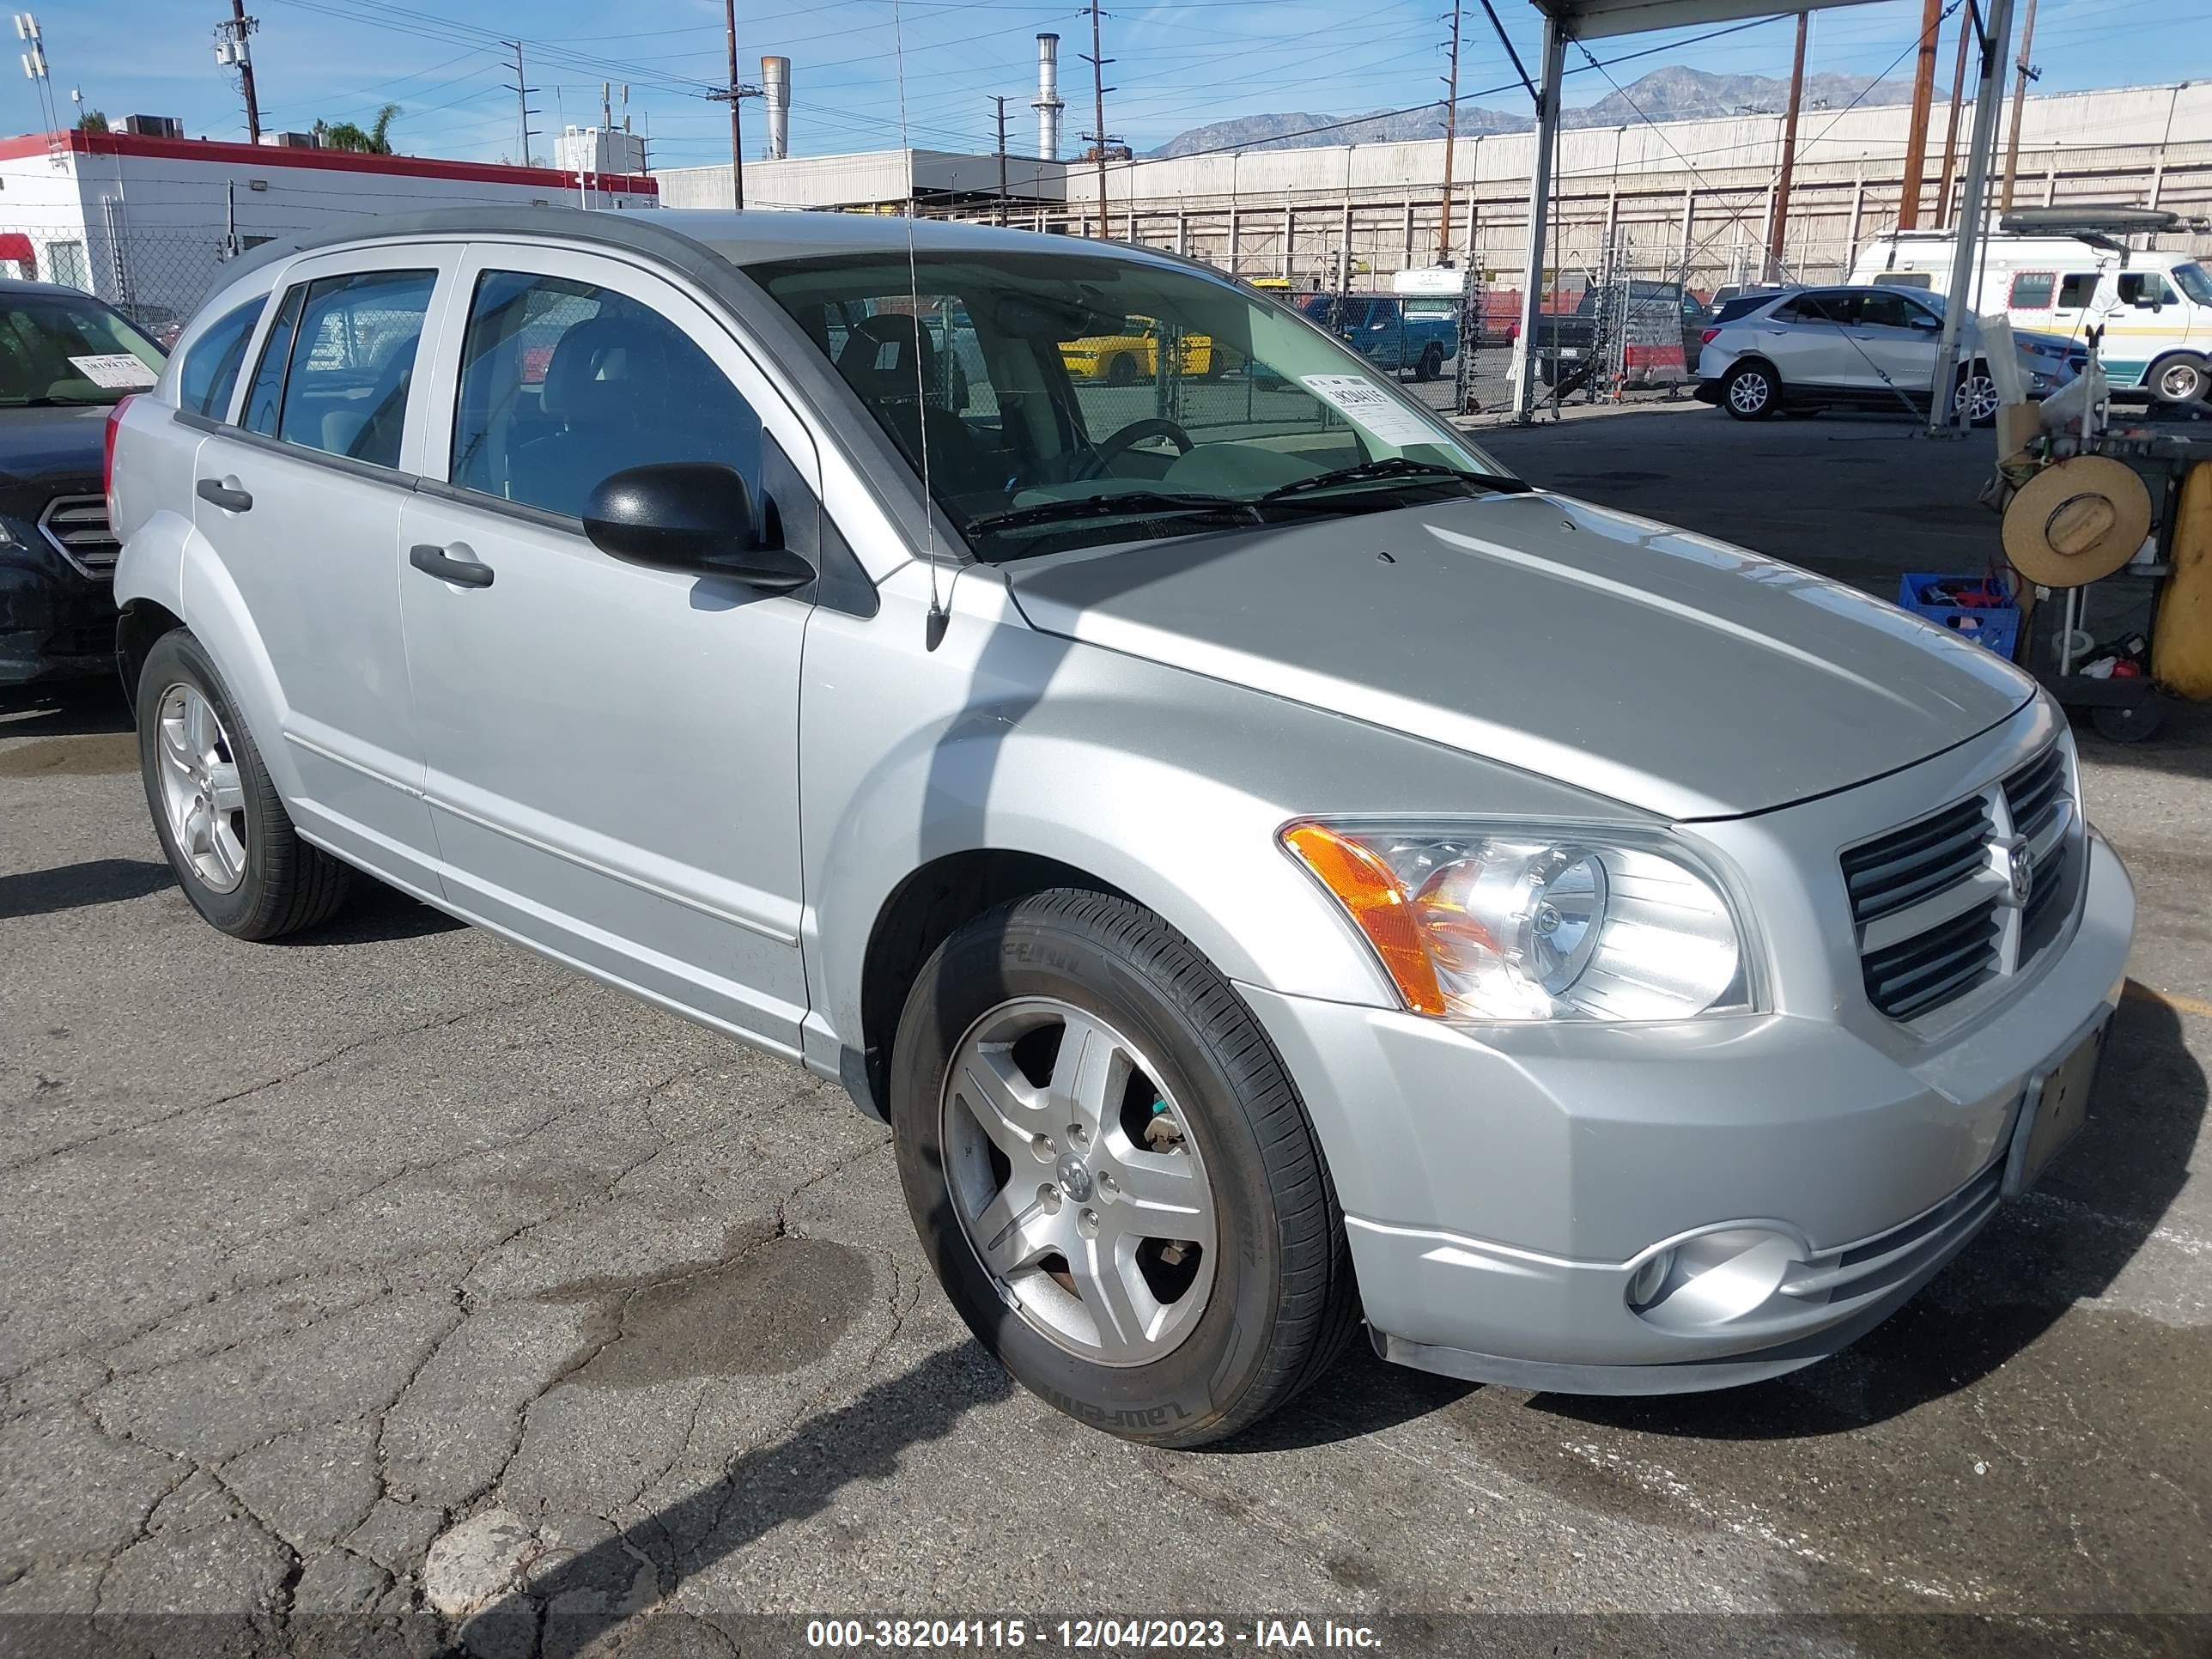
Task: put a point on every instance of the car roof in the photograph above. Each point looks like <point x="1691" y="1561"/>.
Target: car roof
<point x="17" y="285"/>
<point x="737" y="237"/>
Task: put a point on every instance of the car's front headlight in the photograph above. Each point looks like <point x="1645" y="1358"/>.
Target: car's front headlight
<point x="1535" y="922"/>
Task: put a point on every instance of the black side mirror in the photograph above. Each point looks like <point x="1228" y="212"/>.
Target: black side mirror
<point x="694" y="516"/>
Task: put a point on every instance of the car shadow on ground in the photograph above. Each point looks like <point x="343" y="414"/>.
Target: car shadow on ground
<point x="374" y="914"/>
<point x="72" y="708"/>
<point x="72" y="886"/>
<point x="2063" y="1243"/>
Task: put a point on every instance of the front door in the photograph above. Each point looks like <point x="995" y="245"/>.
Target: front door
<point x="300" y="498"/>
<point x="1897" y="337"/>
<point x="612" y="751"/>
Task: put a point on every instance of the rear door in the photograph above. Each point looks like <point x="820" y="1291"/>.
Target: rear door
<point x="299" y="497"/>
<point x="613" y="767"/>
<point x="1805" y="338"/>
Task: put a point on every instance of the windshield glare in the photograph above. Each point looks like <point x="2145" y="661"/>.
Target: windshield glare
<point x="1047" y="381"/>
<point x="51" y="348"/>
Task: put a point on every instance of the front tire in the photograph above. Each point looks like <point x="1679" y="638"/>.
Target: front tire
<point x="1121" y="370"/>
<point x="2183" y="378"/>
<point x="1752" y="391"/>
<point x="1112" y="1173"/>
<point x="220" y="821"/>
<point x="1975" y="400"/>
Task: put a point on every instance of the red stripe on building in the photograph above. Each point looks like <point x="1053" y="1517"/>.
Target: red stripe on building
<point x="315" y="161"/>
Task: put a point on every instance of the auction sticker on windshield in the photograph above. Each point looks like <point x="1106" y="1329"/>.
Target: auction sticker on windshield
<point x="115" y="371"/>
<point x="1370" y="409"/>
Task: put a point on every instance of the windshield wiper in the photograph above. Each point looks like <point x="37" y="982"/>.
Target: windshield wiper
<point x="1394" y="466"/>
<point x="1137" y="501"/>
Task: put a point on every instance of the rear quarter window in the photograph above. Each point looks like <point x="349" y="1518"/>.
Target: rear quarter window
<point x="211" y="368"/>
<point x="2032" y="289"/>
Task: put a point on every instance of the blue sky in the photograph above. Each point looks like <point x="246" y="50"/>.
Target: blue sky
<point x="1180" y="63"/>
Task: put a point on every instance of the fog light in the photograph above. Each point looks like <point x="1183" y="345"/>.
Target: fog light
<point x="1647" y="1281"/>
<point x="1714" y="1277"/>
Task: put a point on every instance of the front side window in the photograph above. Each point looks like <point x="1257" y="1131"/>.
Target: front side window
<point x="1222" y="410"/>
<point x="564" y="383"/>
<point x="58" y="348"/>
<point x="2032" y="289"/>
<point x="351" y="359"/>
<point x="211" y="369"/>
<point x="2145" y="288"/>
<point x="2078" y="288"/>
<point x="1891" y="310"/>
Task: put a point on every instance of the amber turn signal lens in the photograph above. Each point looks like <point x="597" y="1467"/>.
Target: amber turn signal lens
<point x="1364" y="886"/>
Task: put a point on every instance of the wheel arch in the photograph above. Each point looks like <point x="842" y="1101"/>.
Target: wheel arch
<point x="930" y="904"/>
<point x="138" y="624"/>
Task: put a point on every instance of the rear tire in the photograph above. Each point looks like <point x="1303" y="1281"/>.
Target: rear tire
<point x="1752" y="391"/>
<point x="221" y="825"/>
<point x="1431" y="364"/>
<point x="1975" y="400"/>
<point x="1050" y="1183"/>
<point x="2183" y="378"/>
<point x="1122" y="370"/>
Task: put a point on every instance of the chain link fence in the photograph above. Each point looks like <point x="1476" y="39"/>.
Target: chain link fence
<point x="156" y="277"/>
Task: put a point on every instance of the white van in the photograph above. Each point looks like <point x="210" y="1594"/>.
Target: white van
<point x="2155" y="308"/>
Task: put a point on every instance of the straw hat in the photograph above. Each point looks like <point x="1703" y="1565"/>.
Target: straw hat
<point x="2077" y="521"/>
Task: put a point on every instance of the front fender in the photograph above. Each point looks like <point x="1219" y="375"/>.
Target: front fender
<point x="1166" y="785"/>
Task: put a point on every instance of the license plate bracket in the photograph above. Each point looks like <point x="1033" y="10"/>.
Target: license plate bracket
<point x="2054" y="1109"/>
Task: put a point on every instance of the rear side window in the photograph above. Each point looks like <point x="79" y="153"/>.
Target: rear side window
<point x="210" y="370"/>
<point x="352" y="361"/>
<point x="563" y="383"/>
<point x="2032" y="289"/>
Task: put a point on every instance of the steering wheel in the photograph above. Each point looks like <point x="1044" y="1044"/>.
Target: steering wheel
<point x="1103" y="454"/>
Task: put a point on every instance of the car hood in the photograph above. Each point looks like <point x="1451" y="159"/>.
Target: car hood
<point x="43" y="446"/>
<point x="1659" y="668"/>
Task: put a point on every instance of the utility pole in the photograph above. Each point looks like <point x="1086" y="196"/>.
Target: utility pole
<point x="736" y="134"/>
<point x="1967" y="21"/>
<point x="230" y="49"/>
<point x="1001" y="103"/>
<point x="1451" y="131"/>
<point x="1775" y="231"/>
<point x="1102" y="139"/>
<point x="522" y="89"/>
<point x="2027" y="72"/>
<point x="1916" y="134"/>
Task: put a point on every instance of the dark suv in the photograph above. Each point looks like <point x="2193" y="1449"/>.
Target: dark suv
<point x="65" y="360"/>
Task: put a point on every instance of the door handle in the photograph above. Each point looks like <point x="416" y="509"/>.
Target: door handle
<point x="218" y="493"/>
<point x="432" y="560"/>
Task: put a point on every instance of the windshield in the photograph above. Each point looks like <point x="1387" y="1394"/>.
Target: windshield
<point x="57" y="350"/>
<point x="2192" y="280"/>
<point x="1072" y="398"/>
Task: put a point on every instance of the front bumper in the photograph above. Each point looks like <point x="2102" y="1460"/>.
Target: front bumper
<point x="1501" y="1186"/>
<point x="54" y="626"/>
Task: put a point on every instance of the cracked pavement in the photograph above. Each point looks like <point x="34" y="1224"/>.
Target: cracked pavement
<point x="391" y="1290"/>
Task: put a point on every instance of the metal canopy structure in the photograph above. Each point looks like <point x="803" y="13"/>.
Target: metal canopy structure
<point x="1584" y="20"/>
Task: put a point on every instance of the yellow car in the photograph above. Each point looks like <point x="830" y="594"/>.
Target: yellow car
<point x="1126" y="359"/>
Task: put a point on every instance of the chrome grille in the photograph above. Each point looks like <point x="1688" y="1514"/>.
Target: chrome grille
<point x="77" y="527"/>
<point x="1967" y="894"/>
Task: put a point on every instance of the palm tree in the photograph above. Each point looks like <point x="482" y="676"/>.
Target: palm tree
<point x="375" y="140"/>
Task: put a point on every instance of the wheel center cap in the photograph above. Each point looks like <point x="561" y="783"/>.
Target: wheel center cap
<point x="1074" y="1177"/>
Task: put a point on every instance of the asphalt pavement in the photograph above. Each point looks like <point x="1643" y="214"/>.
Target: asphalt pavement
<point x="391" y="1290"/>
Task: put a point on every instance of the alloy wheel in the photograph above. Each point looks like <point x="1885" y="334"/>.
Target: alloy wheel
<point x="1976" y="399"/>
<point x="1749" y="392"/>
<point x="2181" y="383"/>
<point x="1077" y="1180"/>
<point x="201" y="794"/>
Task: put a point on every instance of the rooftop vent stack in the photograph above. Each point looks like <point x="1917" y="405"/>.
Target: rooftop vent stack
<point x="154" y="126"/>
<point x="775" y="93"/>
<point x="1047" y="103"/>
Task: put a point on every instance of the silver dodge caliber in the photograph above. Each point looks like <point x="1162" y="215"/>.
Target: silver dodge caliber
<point x="1273" y="869"/>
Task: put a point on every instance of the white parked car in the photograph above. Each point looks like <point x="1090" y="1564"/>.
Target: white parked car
<point x="1872" y="348"/>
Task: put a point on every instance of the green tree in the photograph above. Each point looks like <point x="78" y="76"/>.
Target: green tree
<point x="92" y="120"/>
<point x="375" y="140"/>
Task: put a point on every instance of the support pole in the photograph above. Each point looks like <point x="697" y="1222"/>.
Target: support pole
<point x="1916" y="134"/>
<point x="1777" y="226"/>
<point x="243" y="25"/>
<point x="2026" y="72"/>
<point x="1539" y="207"/>
<point x="1001" y="103"/>
<point x="1973" y="215"/>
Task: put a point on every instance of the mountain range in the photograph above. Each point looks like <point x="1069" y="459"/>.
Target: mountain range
<point x="1673" y="92"/>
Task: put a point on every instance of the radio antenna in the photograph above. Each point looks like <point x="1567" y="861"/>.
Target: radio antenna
<point x="933" y="629"/>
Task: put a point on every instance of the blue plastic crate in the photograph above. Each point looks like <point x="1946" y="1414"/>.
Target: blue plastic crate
<point x="1996" y="626"/>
